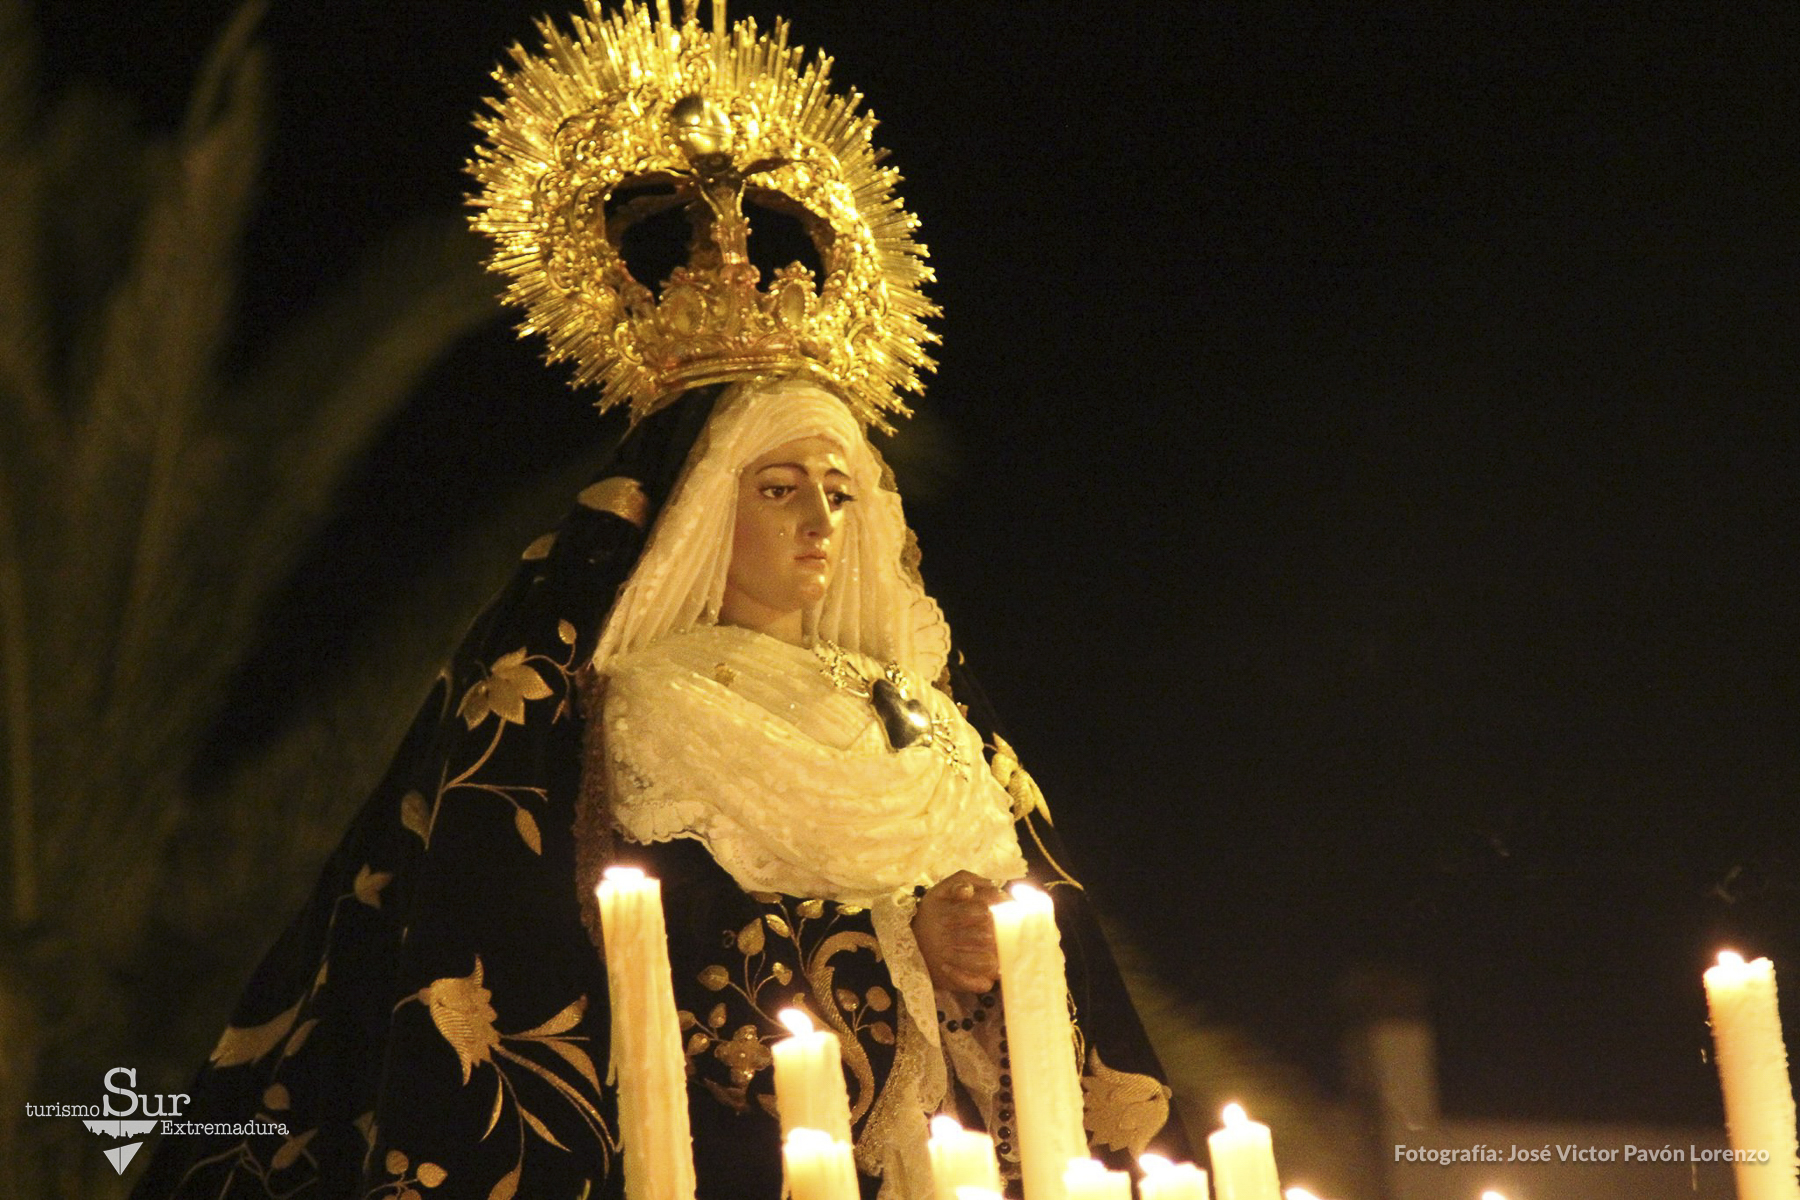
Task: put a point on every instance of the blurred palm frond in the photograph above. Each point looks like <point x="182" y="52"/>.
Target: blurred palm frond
<point x="154" y="497"/>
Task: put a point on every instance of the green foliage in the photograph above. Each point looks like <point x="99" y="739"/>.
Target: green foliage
<point x="153" y="499"/>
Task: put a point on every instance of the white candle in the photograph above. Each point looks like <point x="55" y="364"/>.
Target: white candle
<point x="1243" y="1159"/>
<point x="1046" y="1078"/>
<point x="961" y="1159"/>
<point x="819" y="1166"/>
<point x="1165" y="1180"/>
<point x="657" y="1146"/>
<point x="809" y="1079"/>
<point x="1088" y="1179"/>
<point x="1753" y="1074"/>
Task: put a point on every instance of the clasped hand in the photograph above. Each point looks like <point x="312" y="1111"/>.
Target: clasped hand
<point x="956" y="933"/>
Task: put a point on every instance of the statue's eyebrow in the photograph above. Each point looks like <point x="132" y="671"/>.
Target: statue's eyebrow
<point x="801" y="467"/>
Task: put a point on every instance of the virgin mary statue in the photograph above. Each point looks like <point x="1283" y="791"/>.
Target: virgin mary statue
<point x="722" y="666"/>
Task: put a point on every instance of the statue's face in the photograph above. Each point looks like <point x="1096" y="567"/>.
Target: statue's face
<point x="790" y="517"/>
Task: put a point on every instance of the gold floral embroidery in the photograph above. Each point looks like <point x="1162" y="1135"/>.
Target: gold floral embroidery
<point x="404" y="1175"/>
<point x="820" y="975"/>
<point x="290" y="1151"/>
<point x="1028" y="803"/>
<point x="461" y="1008"/>
<point x="366" y="1126"/>
<point x="510" y="682"/>
<point x="1121" y="1109"/>
<point x="745" y="1052"/>
<point x="461" y="1011"/>
<point x="298" y="1038"/>
<point x="369" y="883"/>
<point x="857" y="1010"/>
<point x="1027" y="797"/>
<point x="415" y="816"/>
<point x="240" y="1045"/>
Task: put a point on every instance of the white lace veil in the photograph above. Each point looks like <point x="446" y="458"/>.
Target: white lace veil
<point x="874" y="604"/>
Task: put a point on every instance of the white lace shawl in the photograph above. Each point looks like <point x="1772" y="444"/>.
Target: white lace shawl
<point x="742" y="742"/>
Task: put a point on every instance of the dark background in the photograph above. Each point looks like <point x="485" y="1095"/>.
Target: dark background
<point x="1364" y="470"/>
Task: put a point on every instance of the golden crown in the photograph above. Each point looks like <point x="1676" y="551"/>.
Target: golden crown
<point x="632" y="116"/>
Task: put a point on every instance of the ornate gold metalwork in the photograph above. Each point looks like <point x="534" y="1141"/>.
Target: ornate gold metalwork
<point x="631" y="115"/>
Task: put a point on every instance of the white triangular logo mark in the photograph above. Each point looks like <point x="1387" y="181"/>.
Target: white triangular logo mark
<point x="120" y="1156"/>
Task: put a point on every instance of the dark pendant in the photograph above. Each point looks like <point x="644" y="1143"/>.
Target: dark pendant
<point x="903" y="718"/>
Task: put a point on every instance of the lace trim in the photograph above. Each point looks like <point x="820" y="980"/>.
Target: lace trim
<point x="894" y="1140"/>
<point x="892" y="919"/>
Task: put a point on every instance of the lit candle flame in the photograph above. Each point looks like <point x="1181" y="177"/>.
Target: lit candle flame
<point x="796" y="1021"/>
<point x="1299" y="1194"/>
<point x="1235" y="1115"/>
<point x="623" y="874"/>
<point x="945" y="1126"/>
<point x="1150" y="1164"/>
<point x="1492" y="1196"/>
<point x="1029" y="896"/>
<point x="1727" y="958"/>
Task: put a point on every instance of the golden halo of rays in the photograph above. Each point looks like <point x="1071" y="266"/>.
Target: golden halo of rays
<point x="714" y="114"/>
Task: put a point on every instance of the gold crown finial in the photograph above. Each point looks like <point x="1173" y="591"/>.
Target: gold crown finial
<point x="630" y="116"/>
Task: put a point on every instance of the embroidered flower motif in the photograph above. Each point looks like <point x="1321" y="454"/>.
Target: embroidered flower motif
<point x="290" y="1150"/>
<point x="511" y="681"/>
<point x="1023" y="790"/>
<point x="462" y="1011"/>
<point x="400" y="1187"/>
<point x="368" y="885"/>
<point x="240" y="1045"/>
<point x="1123" y="1110"/>
<point x="745" y="1053"/>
